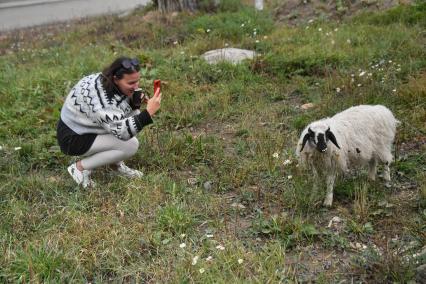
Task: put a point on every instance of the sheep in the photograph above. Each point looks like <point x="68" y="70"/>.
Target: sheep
<point x="357" y="136"/>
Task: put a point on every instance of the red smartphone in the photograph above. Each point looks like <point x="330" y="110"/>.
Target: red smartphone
<point x="157" y="85"/>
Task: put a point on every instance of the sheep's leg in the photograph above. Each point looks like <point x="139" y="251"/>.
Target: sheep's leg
<point x="316" y="176"/>
<point x="386" y="172"/>
<point x="372" y="170"/>
<point x="330" y="184"/>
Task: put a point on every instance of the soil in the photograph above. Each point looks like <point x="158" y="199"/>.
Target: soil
<point x="295" y="12"/>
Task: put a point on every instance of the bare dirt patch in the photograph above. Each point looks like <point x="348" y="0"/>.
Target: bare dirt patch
<point x="295" y="12"/>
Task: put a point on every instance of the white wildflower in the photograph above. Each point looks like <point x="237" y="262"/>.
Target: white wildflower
<point x="208" y="30"/>
<point x="265" y="37"/>
<point x="394" y="90"/>
<point x="333" y="42"/>
<point x="348" y="41"/>
<point x="201" y="270"/>
<point x="310" y="21"/>
<point x="182" y="52"/>
<point x="257" y="41"/>
<point x="338" y="89"/>
<point x="209" y="235"/>
<point x="1" y="148"/>
<point x="336" y="29"/>
<point x="390" y="61"/>
<point x="182" y="236"/>
<point x="359" y="85"/>
<point x="182" y="245"/>
<point x="287" y="162"/>
<point x="17" y="148"/>
<point x="240" y="260"/>
<point x="226" y="44"/>
<point x="209" y="258"/>
<point x="220" y="247"/>
<point x="242" y="25"/>
<point x="320" y="29"/>
<point x="195" y="260"/>
<point x="362" y="74"/>
<point x="290" y="177"/>
<point x="175" y="42"/>
<point x="276" y="155"/>
<point x="254" y="33"/>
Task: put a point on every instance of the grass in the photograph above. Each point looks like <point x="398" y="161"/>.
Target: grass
<point x="222" y="183"/>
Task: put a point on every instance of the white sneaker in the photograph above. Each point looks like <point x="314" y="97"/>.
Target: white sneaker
<point x="124" y="170"/>
<point x="81" y="177"/>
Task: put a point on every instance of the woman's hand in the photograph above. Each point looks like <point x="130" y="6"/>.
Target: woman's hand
<point x="153" y="104"/>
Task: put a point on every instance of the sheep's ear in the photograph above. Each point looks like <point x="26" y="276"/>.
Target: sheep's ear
<point x="330" y="136"/>
<point x="306" y="138"/>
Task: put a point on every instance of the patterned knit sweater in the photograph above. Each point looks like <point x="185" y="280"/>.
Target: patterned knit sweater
<point x="88" y="109"/>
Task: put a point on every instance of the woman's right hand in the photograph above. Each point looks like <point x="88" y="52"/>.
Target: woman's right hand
<point x="153" y="104"/>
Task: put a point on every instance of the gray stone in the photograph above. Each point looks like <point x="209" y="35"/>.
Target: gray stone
<point x="207" y="185"/>
<point x="232" y="55"/>
<point x="421" y="274"/>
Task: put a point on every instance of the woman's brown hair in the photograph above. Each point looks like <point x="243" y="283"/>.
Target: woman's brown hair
<point x="122" y="65"/>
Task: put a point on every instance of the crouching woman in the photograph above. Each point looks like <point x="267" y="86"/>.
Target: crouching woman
<point x="100" y="118"/>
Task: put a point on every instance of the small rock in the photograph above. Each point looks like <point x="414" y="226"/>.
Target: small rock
<point x="208" y="185"/>
<point x="335" y="219"/>
<point x="232" y="55"/>
<point x="421" y="274"/>
<point x="54" y="149"/>
<point x="238" y="205"/>
<point x="307" y="106"/>
<point x="192" y="181"/>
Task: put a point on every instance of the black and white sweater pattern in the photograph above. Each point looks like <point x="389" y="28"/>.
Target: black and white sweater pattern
<point x="88" y="109"/>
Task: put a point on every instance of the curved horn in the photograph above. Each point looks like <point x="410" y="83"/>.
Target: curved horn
<point x="330" y="136"/>
<point x="306" y="138"/>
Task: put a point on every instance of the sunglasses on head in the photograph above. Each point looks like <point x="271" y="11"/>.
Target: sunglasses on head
<point x="128" y="65"/>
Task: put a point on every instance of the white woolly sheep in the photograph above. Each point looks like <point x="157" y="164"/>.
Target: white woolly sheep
<point x="359" y="136"/>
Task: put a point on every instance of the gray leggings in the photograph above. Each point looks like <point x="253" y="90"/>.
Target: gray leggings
<point x="108" y="149"/>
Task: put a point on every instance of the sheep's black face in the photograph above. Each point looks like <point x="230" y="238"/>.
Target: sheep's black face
<point x="318" y="137"/>
<point x="321" y="144"/>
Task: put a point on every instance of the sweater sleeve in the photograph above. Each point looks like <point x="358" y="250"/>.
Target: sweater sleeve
<point x="121" y="127"/>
